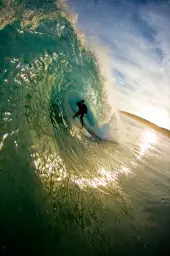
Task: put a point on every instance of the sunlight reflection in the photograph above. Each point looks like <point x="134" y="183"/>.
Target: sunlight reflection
<point x="50" y="166"/>
<point x="148" y="138"/>
<point x="14" y="60"/>
<point x="103" y="179"/>
<point x="93" y="183"/>
<point x="3" y="139"/>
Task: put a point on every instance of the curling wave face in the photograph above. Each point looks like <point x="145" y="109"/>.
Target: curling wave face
<point x="45" y="70"/>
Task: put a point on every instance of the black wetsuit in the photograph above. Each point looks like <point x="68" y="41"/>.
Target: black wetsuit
<point x="82" y="111"/>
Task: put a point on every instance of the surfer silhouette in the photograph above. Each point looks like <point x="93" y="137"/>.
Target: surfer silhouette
<point x="81" y="112"/>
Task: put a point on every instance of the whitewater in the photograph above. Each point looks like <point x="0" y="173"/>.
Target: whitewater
<point x="61" y="192"/>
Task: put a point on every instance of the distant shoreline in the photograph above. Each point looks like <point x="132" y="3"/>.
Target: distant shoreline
<point x="153" y="126"/>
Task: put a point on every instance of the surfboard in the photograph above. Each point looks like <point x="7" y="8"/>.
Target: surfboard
<point x="85" y="133"/>
<point x="76" y="124"/>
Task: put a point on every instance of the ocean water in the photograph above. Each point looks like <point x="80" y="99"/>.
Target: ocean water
<point x="61" y="192"/>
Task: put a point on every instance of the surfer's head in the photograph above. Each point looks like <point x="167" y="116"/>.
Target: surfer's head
<point x="82" y="101"/>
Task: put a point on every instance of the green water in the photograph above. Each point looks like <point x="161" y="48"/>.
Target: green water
<point x="62" y="193"/>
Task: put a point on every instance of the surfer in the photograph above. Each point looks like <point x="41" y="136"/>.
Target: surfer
<point x="81" y="112"/>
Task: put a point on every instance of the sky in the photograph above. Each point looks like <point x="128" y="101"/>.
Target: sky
<point x="136" y="38"/>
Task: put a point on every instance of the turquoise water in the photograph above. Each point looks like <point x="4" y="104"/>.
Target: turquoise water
<point x="62" y="193"/>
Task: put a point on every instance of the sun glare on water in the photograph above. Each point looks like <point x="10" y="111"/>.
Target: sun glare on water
<point x="148" y="138"/>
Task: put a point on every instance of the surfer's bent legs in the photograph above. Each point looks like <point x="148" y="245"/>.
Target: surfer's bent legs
<point x="81" y="117"/>
<point x="77" y="114"/>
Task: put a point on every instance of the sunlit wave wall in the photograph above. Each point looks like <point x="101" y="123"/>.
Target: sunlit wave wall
<point x="45" y="70"/>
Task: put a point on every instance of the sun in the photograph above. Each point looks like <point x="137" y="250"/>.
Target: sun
<point x="156" y="115"/>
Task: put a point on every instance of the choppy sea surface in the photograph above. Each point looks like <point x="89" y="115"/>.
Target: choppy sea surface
<point x="61" y="192"/>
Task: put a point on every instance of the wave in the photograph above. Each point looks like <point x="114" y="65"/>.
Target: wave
<point x="60" y="188"/>
<point x="47" y="70"/>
